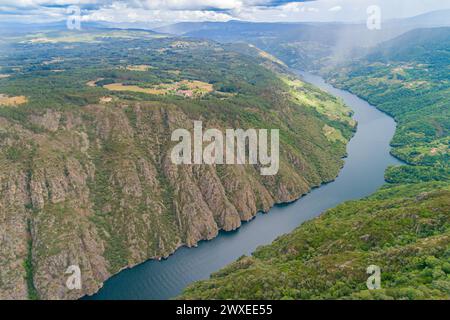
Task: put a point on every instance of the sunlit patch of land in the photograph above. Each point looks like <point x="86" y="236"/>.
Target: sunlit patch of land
<point x="185" y="88"/>
<point x="133" y="88"/>
<point x="2" y="76"/>
<point x="175" y="72"/>
<point x="267" y="56"/>
<point x="187" y="44"/>
<point x="141" y="67"/>
<point x="53" y="61"/>
<point x="93" y="83"/>
<point x="12" y="101"/>
<point x="105" y="99"/>
<point x="41" y="40"/>
<point x="225" y="95"/>
<point x="425" y="152"/>
<point x="441" y="148"/>
<point x="333" y="134"/>
<point x="90" y="37"/>
<point x="409" y="75"/>
<point x="332" y="109"/>
<point x="416" y="84"/>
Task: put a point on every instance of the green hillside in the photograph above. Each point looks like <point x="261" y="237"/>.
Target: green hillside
<point x="404" y="228"/>
<point x="408" y="79"/>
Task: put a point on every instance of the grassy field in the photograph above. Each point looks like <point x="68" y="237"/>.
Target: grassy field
<point x="12" y="101"/>
<point x="184" y="88"/>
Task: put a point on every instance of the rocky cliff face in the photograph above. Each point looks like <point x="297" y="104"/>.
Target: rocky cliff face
<point x="100" y="191"/>
<point x="93" y="185"/>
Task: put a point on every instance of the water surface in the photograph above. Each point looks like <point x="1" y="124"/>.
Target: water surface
<point x="363" y="173"/>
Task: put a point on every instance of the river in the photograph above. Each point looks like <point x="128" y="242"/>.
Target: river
<point x="362" y="174"/>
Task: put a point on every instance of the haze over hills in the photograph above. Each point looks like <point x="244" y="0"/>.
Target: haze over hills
<point x="408" y="77"/>
<point x="430" y="19"/>
<point x="308" y="46"/>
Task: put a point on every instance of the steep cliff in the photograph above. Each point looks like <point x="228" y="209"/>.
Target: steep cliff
<point x="85" y="172"/>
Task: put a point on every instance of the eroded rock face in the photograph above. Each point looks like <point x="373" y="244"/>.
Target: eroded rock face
<point x="13" y="234"/>
<point x="99" y="190"/>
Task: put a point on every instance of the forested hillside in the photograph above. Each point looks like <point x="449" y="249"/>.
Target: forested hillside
<point x="404" y="228"/>
<point x="308" y="46"/>
<point x="409" y="79"/>
<point x="85" y="172"/>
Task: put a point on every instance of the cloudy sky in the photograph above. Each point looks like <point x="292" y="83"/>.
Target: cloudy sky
<point x="161" y="12"/>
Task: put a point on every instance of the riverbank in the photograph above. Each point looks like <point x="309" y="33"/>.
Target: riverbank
<point x="363" y="173"/>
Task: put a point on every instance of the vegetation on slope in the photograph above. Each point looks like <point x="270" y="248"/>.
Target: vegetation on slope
<point x="404" y="228"/>
<point x="90" y="167"/>
<point x="408" y="79"/>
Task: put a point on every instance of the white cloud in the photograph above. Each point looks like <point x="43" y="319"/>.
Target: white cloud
<point x="335" y="9"/>
<point x="294" y="7"/>
<point x="39" y="3"/>
<point x="313" y="9"/>
<point x="342" y="10"/>
<point x="192" y="4"/>
<point x="168" y="11"/>
<point x="120" y="13"/>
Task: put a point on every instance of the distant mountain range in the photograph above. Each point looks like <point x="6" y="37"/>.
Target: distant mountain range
<point x="222" y="29"/>
<point x="307" y="46"/>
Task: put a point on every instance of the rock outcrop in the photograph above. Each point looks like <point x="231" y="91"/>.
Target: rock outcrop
<point x="99" y="191"/>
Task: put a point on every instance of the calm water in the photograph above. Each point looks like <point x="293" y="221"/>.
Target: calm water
<point x="363" y="173"/>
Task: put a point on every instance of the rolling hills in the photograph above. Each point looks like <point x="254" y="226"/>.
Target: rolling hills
<point x="310" y="46"/>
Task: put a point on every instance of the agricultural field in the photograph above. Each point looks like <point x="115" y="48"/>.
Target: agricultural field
<point x="12" y="101"/>
<point x="185" y="88"/>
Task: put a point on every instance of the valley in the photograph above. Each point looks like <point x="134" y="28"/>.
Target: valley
<point x="87" y="177"/>
<point x="403" y="227"/>
<point x="85" y="171"/>
<point x="363" y="173"/>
